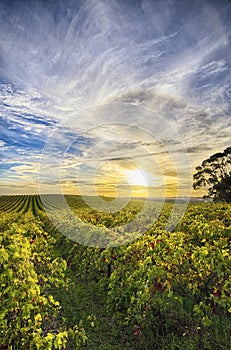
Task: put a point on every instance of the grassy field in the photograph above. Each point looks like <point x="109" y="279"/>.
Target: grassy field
<point x="165" y="289"/>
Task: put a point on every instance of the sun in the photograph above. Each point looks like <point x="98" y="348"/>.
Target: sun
<point x="136" y="178"/>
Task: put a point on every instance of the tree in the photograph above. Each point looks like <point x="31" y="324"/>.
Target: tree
<point x="215" y="174"/>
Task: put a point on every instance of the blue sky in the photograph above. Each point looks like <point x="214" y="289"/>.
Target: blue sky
<point x="91" y="90"/>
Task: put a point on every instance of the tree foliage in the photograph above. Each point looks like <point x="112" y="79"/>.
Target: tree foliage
<point x="215" y="174"/>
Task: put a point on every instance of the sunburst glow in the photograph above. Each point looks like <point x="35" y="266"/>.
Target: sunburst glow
<point x="136" y="178"/>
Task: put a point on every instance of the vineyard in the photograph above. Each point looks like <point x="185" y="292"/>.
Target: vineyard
<point x="165" y="289"/>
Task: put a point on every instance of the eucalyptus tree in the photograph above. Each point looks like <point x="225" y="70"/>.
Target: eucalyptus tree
<point x="214" y="174"/>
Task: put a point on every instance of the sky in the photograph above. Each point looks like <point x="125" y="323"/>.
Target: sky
<point x="112" y="97"/>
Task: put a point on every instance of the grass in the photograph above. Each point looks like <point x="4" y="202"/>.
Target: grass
<point x="82" y="301"/>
